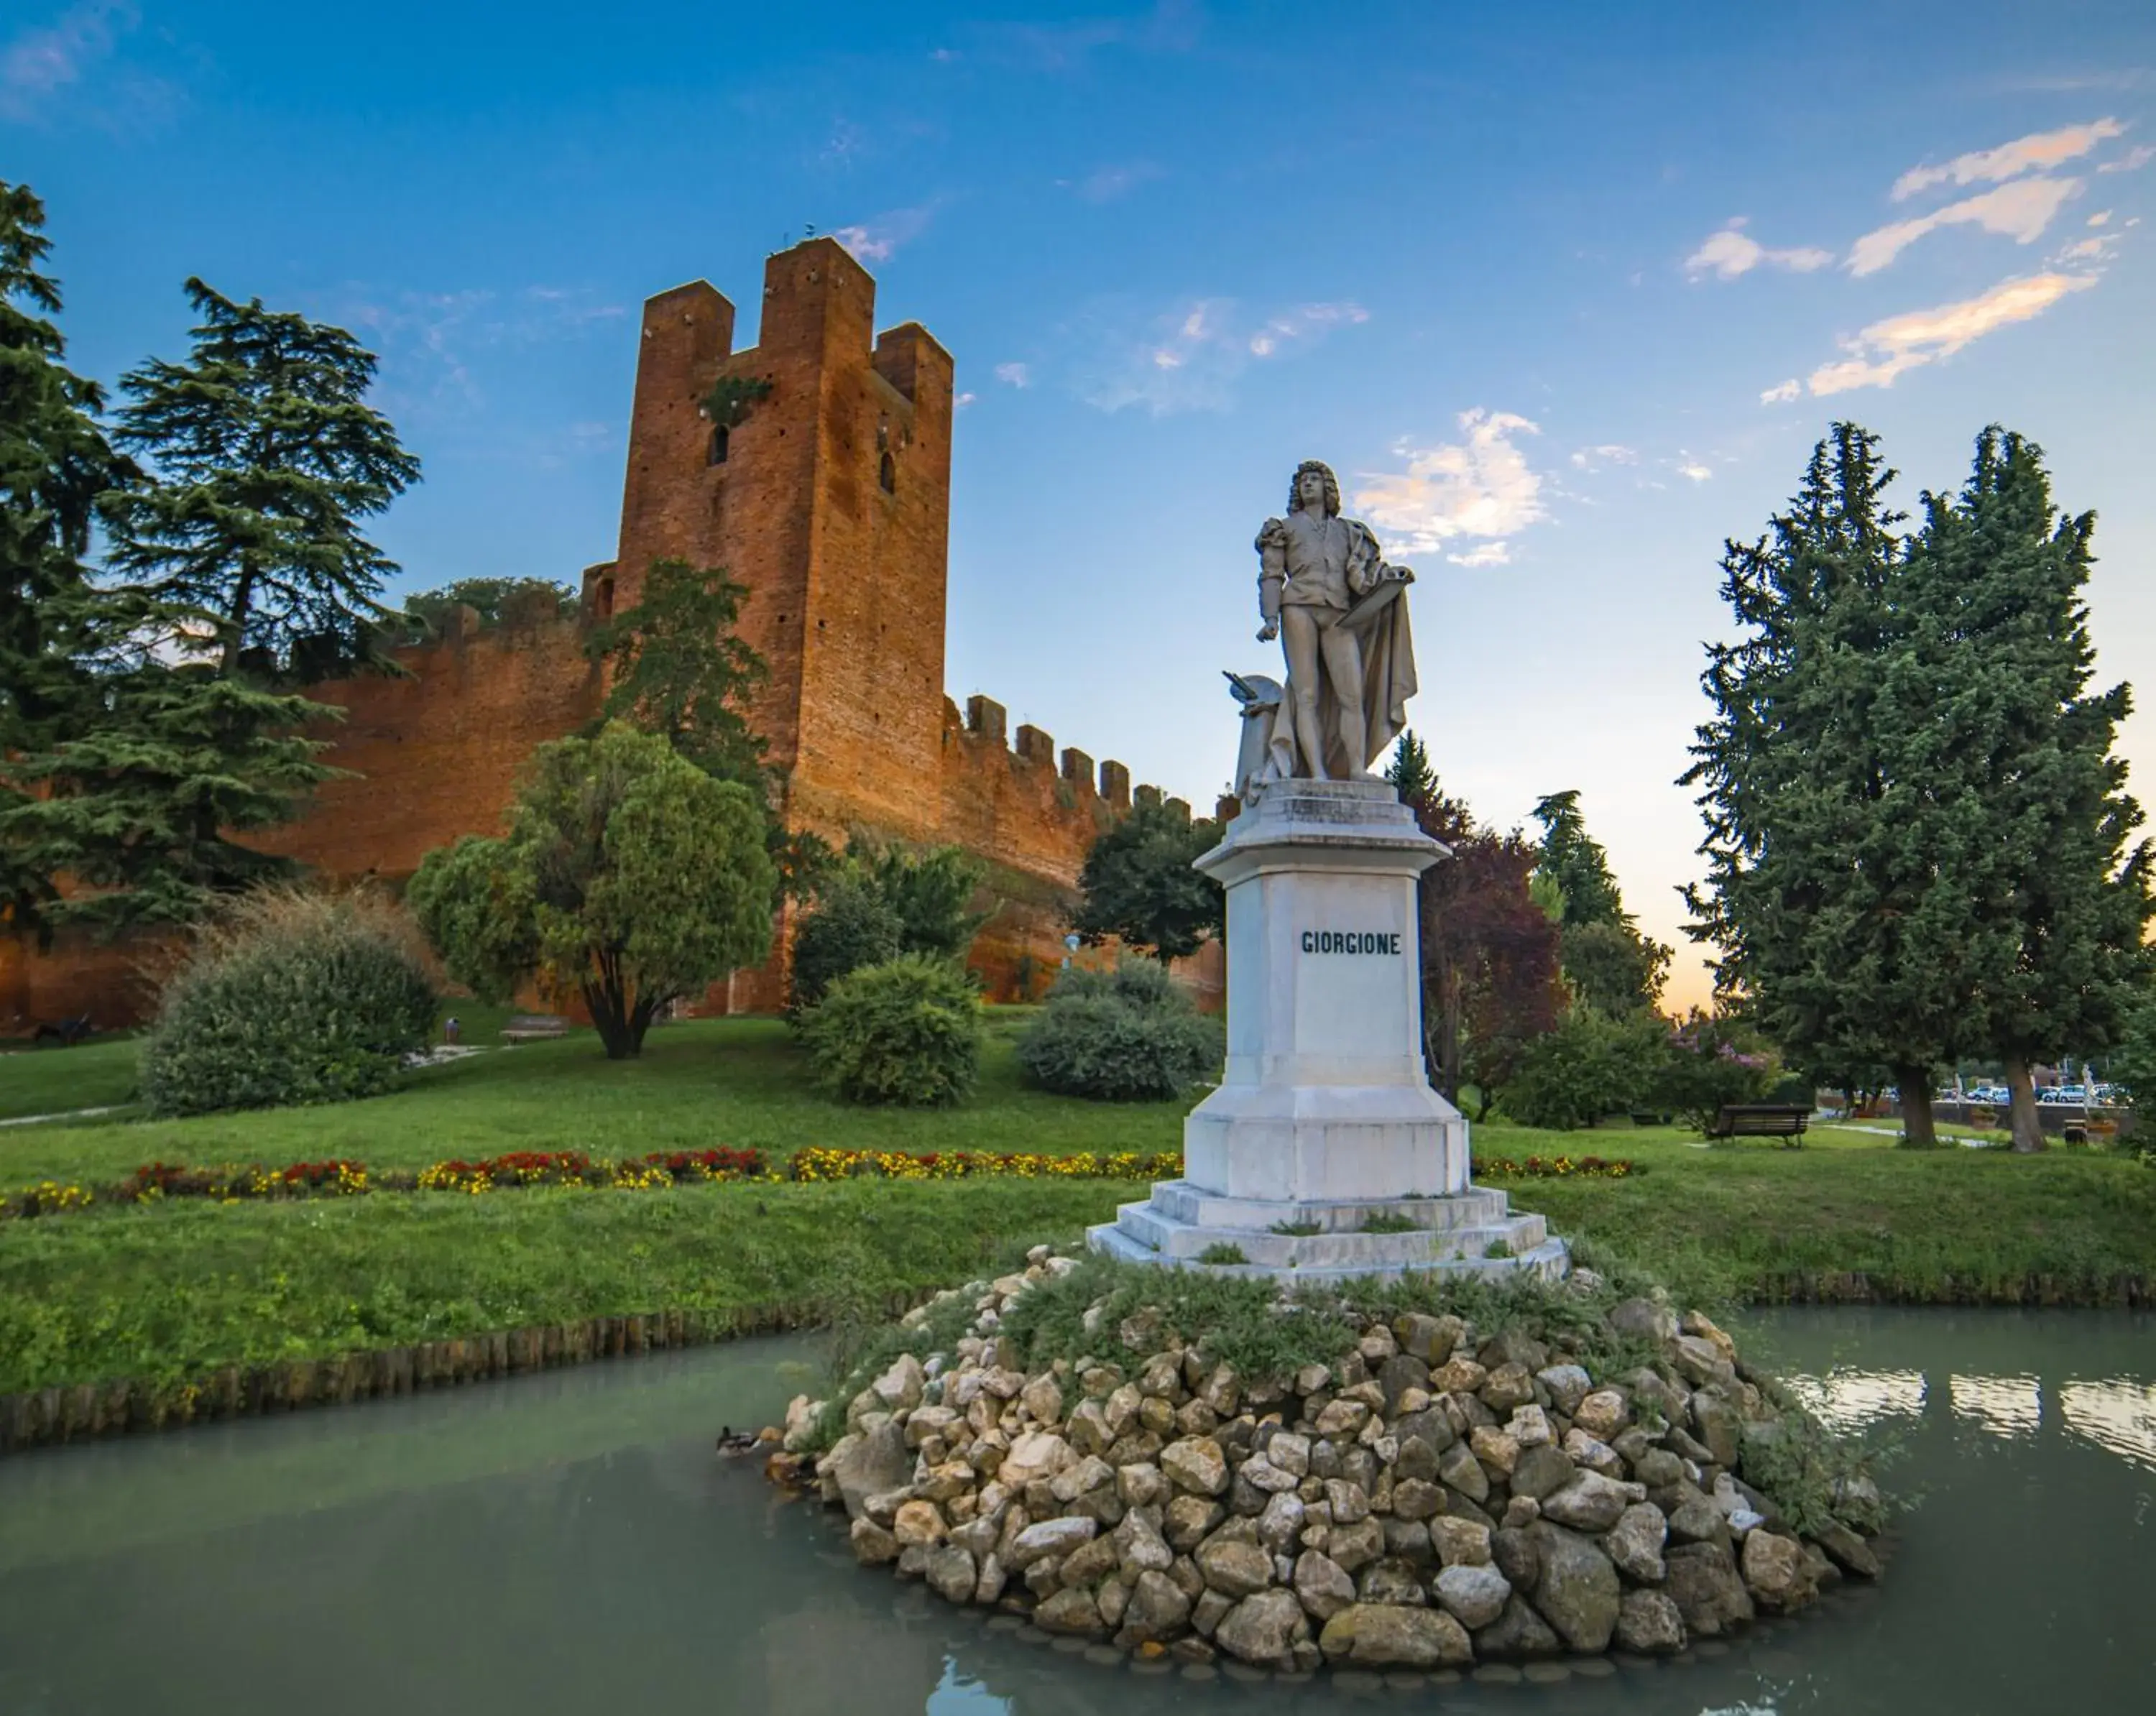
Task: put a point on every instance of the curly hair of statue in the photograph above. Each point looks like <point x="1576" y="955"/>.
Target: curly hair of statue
<point x="1332" y="487"/>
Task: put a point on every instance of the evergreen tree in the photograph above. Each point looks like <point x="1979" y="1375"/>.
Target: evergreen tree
<point x="1574" y="859"/>
<point x="55" y="463"/>
<point x="2044" y="822"/>
<point x="1834" y="891"/>
<point x="1610" y="965"/>
<point x="267" y="459"/>
<point x="1409" y="771"/>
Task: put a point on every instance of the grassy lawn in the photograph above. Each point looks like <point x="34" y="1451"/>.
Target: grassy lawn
<point x="160" y="1290"/>
<point x="50" y="1081"/>
<point x="738" y="1082"/>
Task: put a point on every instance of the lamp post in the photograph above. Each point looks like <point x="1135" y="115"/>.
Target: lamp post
<point x="1070" y="947"/>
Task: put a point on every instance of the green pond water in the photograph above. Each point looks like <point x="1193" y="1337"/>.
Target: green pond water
<point x="571" y="1543"/>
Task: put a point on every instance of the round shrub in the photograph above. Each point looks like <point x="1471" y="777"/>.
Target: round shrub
<point x="852" y="926"/>
<point x="1126" y="1036"/>
<point x="906" y="1031"/>
<point x="287" y="998"/>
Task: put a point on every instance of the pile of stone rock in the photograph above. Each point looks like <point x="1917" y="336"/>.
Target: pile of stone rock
<point x="1429" y="1500"/>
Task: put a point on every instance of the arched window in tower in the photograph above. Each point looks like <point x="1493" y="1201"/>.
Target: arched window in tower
<point x="716" y="453"/>
<point x="887" y="474"/>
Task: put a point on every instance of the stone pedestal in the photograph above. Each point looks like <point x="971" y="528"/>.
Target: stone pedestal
<point x="1324" y="1151"/>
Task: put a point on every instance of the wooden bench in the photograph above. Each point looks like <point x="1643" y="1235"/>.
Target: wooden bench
<point x="533" y="1027"/>
<point x="1759" y="1120"/>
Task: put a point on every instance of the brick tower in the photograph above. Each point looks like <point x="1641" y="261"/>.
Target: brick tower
<point x="831" y="503"/>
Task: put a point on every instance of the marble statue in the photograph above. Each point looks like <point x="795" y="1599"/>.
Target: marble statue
<point x="1326" y="592"/>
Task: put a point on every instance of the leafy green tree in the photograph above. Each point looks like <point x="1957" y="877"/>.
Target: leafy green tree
<point x="881" y="899"/>
<point x="497" y="601"/>
<point x="55" y="463"/>
<point x="2058" y="884"/>
<point x="1590" y="1066"/>
<point x="1833" y="891"/>
<point x="267" y="461"/>
<point x="851" y="925"/>
<point x="930" y="892"/>
<point x="1137" y="882"/>
<point x="1613" y="967"/>
<point x="629" y="877"/>
<point x="1409" y="771"/>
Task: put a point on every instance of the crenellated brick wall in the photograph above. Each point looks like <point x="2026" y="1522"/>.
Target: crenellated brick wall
<point x="830" y="503"/>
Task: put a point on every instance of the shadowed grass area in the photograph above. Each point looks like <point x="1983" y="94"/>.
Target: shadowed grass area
<point x="172" y="1290"/>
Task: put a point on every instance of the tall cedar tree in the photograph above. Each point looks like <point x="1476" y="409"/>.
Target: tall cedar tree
<point x="267" y="458"/>
<point x="1833" y="891"/>
<point x="1613" y="968"/>
<point x="1491" y="983"/>
<point x="1996" y="578"/>
<point x="55" y="463"/>
<point x="1137" y="882"/>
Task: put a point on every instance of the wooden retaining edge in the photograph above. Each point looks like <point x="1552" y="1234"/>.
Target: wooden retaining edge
<point x="39" y="1417"/>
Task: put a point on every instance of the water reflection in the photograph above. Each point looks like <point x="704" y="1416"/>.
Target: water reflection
<point x="2117" y="1414"/>
<point x="569" y="1544"/>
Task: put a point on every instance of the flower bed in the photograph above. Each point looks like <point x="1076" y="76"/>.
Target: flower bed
<point x="1556" y="1168"/>
<point x="656" y="1172"/>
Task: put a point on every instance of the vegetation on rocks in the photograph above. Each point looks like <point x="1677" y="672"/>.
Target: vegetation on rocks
<point x="1430" y="1474"/>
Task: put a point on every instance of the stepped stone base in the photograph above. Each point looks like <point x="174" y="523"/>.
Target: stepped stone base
<point x="1454" y="1235"/>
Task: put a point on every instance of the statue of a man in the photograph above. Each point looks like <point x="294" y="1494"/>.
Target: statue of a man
<point x="1325" y="590"/>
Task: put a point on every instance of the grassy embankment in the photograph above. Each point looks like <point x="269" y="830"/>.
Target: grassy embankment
<point x="166" y="1291"/>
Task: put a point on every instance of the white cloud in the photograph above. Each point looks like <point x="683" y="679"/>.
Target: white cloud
<point x="2089" y="250"/>
<point x="1186" y="358"/>
<point x="1732" y="251"/>
<point x="1885" y="349"/>
<point x="2039" y="151"/>
<point x="962" y="401"/>
<point x="1692" y="469"/>
<point x="1015" y="375"/>
<point x="2019" y="211"/>
<point x="1783" y="394"/>
<point x="2101" y="218"/>
<point x="1594" y="458"/>
<point x="1482" y="487"/>
<point x="72" y="68"/>
<point x="2139" y="155"/>
<point x="879" y="240"/>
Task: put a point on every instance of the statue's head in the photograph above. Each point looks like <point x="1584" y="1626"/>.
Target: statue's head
<point x="1314" y="486"/>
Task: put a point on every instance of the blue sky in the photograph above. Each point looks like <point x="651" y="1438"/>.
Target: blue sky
<point x="1564" y="292"/>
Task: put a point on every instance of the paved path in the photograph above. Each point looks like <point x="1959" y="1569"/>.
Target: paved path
<point x="1895" y="1132"/>
<point x="65" y="1114"/>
